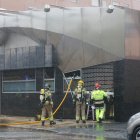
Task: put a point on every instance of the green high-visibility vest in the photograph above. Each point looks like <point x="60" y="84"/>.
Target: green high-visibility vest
<point x="98" y="95"/>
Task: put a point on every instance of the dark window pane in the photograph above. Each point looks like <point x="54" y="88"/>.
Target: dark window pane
<point x="76" y="74"/>
<point x="51" y="83"/>
<point x="19" y="75"/>
<point x="19" y="86"/>
<point x="49" y="73"/>
<point x="73" y="85"/>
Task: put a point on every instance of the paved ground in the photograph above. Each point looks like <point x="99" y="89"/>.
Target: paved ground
<point x="66" y="129"/>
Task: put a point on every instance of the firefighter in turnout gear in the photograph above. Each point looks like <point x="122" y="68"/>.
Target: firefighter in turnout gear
<point x="47" y="104"/>
<point x="80" y="99"/>
<point x="98" y="97"/>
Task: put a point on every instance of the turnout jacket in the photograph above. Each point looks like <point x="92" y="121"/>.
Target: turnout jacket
<point x="80" y="94"/>
<point x="45" y="96"/>
<point x="98" y="97"/>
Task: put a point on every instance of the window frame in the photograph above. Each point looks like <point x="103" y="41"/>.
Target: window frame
<point x="25" y="80"/>
<point x="50" y="79"/>
<point x="68" y="76"/>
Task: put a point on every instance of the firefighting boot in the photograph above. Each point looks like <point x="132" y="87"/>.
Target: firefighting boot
<point x="43" y="123"/>
<point x="84" y="121"/>
<point x="100" y="120"/>
<point x="52" y="123"/>
<point x="77" y="121"/>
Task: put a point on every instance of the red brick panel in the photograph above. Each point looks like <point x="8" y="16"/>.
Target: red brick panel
<point x="24" y="4"/>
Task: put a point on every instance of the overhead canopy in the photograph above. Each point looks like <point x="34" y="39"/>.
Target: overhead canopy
<point x="81" y="37"/>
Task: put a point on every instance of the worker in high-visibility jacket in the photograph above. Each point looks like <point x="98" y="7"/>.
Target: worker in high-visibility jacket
<point x="98" y="97"/>
<point x="47" y="104"/>
<point x="80" y="99"/>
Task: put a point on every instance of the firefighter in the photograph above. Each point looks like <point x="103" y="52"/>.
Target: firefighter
<point x="80" y="100"/>
<point x="47" y="104"/>
<point x="98" y="97"/>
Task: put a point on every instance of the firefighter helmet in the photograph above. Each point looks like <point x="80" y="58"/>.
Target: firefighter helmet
<point x="81" y="82"/>
<point x="97" y="85"/>
<point x="47" y="86"/>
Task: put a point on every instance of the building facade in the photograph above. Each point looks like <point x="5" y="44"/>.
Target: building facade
<point x="36" y="47"/>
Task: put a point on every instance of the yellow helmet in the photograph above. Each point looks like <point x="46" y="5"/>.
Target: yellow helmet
<point x="81" y="82"/>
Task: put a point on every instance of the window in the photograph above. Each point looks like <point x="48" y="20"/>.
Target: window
<point x="49" y="78"/>
<point x="18" y="86"/>
<point x="19" y="75"/>
<point x="51" y="82"/>
<point x="125" y="5"/>
<point x="98" y="3"/>
<point x="95" y="2"/>
<point x="76" y="1"/>
<point x="19" y="81"/>
<point x="73" y="85"/>
<point x="115" y="3"/>
<point x="68" y="78"/>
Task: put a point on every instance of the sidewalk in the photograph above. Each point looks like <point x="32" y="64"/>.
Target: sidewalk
<point x="68" y="127"/>
<point x="30" y="123"/>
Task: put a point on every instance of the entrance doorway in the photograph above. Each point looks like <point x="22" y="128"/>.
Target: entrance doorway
<point x="102" y="74"/>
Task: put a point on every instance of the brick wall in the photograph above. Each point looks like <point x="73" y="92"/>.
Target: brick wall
<point x="23" y="5"/>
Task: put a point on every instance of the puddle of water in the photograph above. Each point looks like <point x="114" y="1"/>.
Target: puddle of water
<point x="77" y="132"/>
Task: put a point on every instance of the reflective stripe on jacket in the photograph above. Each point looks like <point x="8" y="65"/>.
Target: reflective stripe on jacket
<point x="98" y="96"/>
<point x="80" y="94"/>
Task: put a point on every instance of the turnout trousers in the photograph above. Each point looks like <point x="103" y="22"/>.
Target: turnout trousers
<point x="47" y="109"/>
<point x="80" y="111"/>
